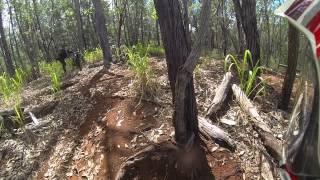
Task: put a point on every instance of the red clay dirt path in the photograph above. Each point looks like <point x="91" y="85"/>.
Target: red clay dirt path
<point x="113" y="131"/>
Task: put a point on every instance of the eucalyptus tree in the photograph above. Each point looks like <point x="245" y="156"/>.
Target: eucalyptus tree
<point x="101" y="28"/>
<point x="292" y="61"/>
<point x="4" y="46"/>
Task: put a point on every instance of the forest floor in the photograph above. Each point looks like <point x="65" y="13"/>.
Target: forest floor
<point x="89" y="128"/>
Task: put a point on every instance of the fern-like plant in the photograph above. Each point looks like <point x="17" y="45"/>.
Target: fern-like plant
<point x="249" y="80"/>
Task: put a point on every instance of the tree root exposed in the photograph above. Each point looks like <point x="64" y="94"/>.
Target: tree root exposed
<point x="167" y="160"/>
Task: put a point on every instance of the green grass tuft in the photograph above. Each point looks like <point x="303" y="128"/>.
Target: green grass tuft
<point x="10" y="92"/>
<point x="93" y="56"/>
<point x="249" y="80"/>
<point x="55" y="72"/>
<point x="141" y="67"/>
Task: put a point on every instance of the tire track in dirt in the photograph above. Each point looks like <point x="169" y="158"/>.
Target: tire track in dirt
<point x="71" y="138"/>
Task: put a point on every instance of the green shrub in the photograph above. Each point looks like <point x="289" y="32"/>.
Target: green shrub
<point x="142" y="70"/>
<point x="55" y="72"/>
<point x="10" y="91"/>
<point x="93" y="56"/>
<point x="149" y="50"/>
<point x="156" y="51"/>
<point x="248" y="77"/>
<point x="19" y="118"/>
<point x="10" y="87"/>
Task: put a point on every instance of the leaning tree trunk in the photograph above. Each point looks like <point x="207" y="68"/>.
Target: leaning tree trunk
<point x="4" y="45"/>
<point x="181" y="64"/>
<point x="101" y="27"/>
<point x="249" y="24"/>
<point x="81" y="38"/>
<point x="293" y="52"/>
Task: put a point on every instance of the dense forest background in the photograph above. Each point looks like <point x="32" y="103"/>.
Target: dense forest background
<point x="154" y="77"/>
<point x="34" y="30"/>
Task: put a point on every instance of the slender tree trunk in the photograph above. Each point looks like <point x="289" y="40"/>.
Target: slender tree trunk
<point x="186" y="20"/>
<point x="28" y="46"/>
<point x="102" y="32"/>
<point x="212" y="44"/>
<point x="7" y="56"/>
<point x="81" y="38"/>
<point x="181" y="64"/>
<point x="224" y="28"/>
<point x="94" y="34"/>
<point x="121" y="21"/>
<point x="15" y="43"/>
<point x="43" y="42"/>
<point x="142" y="26"/>
<point x="239" y="27"/>
<point x="267" y="21"/>
<point x="12" y="49"/>
<point x="157" y="32"/>
<point x="249" y="24"/>
<point x="293" y="54"/>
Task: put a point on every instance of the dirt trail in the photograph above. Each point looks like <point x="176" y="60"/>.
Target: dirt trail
<point x="98" y="125"/>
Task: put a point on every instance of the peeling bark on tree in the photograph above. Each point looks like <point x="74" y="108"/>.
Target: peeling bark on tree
<point x="221" y="94"/>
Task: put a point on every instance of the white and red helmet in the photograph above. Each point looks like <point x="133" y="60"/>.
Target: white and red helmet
<point x="301" y="153"/>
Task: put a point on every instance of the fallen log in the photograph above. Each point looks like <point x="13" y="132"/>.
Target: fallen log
<point x="272" y="144"/>
<point x="43" y="109"/>
<point x="249" y="108"/>
<point x="221" y="94"/>
<point x="214" y="132"/>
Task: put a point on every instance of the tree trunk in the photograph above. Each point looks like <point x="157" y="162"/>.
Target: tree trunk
<point x="157" y="32"/>
<point x="268" y="48"/>
<point x="7" y="56"/>
<point x="293" y="53"/>
<point x="43" y="45"/>
<point x="121" y="21"/>
<point x="142" y="26"/>
<point x="101" y="27"/>
<point x="249" y="24"/>
<point x="239" y="27"/>
<point x="28" y="45"/>
<point x="181" y="63"/>
<point x="15" y="42"/>
<point x="186" y="20"/>
<point x="11" y="48"/>
<point x="81" y="38"/>
<point x="224" y="28"/>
